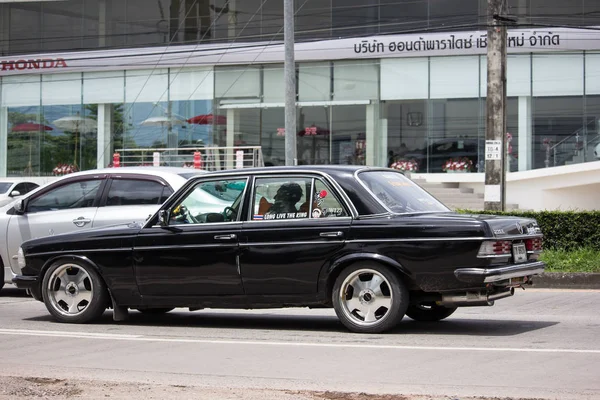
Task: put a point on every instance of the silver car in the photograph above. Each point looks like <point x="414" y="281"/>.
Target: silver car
<point x="85" y="200"/>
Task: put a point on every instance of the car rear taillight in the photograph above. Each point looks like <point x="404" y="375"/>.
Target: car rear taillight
<point x="499" y="248"/>
<point x="533" y="245"/>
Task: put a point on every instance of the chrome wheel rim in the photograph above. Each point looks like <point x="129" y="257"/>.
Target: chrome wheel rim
<point x="366" y="297"/>
<point x="70" y="290"/>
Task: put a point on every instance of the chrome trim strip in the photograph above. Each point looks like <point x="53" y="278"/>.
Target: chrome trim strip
<point x="78" y="251"/>
<point x="308" y="242"/>
<point x="518" y="237"/>
<point x="495" y="256"/>
<point x="535" y="252"/>
<point x="417" y="240"/>
<point x="187" y="246"/>
<point x="264" y="221"/>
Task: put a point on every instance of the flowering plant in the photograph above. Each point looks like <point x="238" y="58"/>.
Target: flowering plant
<point x="458" y="164"/>
<point x="64" y="169"/>
<point x="405" y="165"/>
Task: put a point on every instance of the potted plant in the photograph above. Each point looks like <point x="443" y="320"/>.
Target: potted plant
<point x="64" y="169"/>
<point x="405" y="165"/>
<point x="461" y="164"/>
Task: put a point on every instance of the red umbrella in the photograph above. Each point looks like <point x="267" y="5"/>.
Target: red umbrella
<point x="30" y="127"/>
<point x="208" y="119"/>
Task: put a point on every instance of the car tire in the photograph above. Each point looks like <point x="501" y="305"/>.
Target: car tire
<point x="155" y="311"/>
<point x="369" y="298"/>
<point x="429" y="312"/>
<point x="74" y="292"/>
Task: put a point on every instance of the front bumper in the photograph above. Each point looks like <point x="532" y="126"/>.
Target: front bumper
<point x="492" y="275"/>
<point x="30" y="283"/>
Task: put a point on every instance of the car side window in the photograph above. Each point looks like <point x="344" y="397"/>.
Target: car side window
<point x="21" y="188"/>
<point x="80" y="194"/>
<point x="281" y="198"/>
<point x="325" y="203"/>
<point x="129" y="192"/>
<point x="31" y="186"/>
<point x="210" y="202"/>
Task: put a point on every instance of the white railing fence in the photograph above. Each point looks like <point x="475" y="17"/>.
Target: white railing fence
<point x="206" y="158"/>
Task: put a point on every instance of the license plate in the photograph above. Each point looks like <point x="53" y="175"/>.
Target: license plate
<point x="519" y="253"/>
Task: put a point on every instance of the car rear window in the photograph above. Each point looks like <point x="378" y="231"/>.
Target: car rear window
<point x="128" y="192"/>
<point x="399" y="194"/>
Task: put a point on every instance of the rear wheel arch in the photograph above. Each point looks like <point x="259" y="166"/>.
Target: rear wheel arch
<point x="342" y="263"/>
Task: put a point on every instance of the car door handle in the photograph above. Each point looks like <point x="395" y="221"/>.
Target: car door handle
<point x="337" y="234"/>
<point x="81" y="221"/>
<point x="226" y="237"/>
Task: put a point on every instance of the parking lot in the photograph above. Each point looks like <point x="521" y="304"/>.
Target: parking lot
<point x="537" y="344"/>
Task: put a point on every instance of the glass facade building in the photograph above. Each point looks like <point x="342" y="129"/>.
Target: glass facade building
<point x="378" y="81"/>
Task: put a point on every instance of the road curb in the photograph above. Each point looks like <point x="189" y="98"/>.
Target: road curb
<point x="563" y="280"/>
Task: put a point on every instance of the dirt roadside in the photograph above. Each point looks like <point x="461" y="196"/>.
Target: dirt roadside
<point x="28" y="388"/>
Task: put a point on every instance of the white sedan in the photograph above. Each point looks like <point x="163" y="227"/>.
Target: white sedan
<point x="11" y="189"/>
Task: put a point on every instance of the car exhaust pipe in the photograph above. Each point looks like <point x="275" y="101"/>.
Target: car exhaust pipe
<point x="471" y="299"/>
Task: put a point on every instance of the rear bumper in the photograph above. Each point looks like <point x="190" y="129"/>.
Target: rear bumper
<point x="491" y="275"/>
<point x="30" y="283"/>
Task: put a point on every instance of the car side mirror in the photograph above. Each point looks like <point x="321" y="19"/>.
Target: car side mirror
<point x="163" y="218"/>
<point x="15" y="193"/>
<point x="19" y="206"/>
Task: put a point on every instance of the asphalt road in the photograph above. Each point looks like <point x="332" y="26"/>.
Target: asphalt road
<point x="538" y="344"/>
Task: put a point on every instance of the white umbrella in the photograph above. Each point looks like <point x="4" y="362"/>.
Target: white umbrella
<point x="163" y="122"/>
<point x="78" y="125"/>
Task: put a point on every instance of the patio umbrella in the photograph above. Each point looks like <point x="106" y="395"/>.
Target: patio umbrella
<point x="78" y="125"/>
<point x="165" y="121"/>
<point x="208" y="119"/>
<point x="30" y="127"/>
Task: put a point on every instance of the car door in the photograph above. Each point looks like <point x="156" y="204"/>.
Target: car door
<point x="131" y="198"/>
<point x="196" y="254"/>
<point x="285" y="246"/>
<point x="64" y="206"/>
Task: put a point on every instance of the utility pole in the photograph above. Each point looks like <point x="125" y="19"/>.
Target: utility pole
<point x="495" y="129"/>
<point x="291" y="157"/>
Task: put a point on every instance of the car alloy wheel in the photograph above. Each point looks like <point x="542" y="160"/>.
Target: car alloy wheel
<point x="74" y="292"/>
<point x="369" y="299"/>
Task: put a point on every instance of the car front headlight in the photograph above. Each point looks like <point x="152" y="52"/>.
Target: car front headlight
<point x="21" y="258"/>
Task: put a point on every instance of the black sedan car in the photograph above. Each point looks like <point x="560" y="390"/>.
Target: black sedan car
<point x="366" y="241"/>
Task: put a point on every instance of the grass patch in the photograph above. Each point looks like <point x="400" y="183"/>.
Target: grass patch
<point x="579" y="260"/>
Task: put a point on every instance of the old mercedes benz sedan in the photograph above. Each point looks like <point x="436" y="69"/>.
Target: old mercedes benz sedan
<point x="366" y="241"/>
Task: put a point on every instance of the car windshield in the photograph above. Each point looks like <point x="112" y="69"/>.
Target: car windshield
<point x="4" y="186"/>
<point x="399" y="194"/>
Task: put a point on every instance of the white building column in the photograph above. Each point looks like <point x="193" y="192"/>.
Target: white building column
<point x="525" y="134"/>
<point x="3" y="140"/>
<point x="104" y="144"/>
<point x="373" y="136"/>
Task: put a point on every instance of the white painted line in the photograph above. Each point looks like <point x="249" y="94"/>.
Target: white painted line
<point x="89" y="335"/>
<point x="141" y="338"/>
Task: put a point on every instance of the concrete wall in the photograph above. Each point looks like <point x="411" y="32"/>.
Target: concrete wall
<point x="572" y="187"/>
